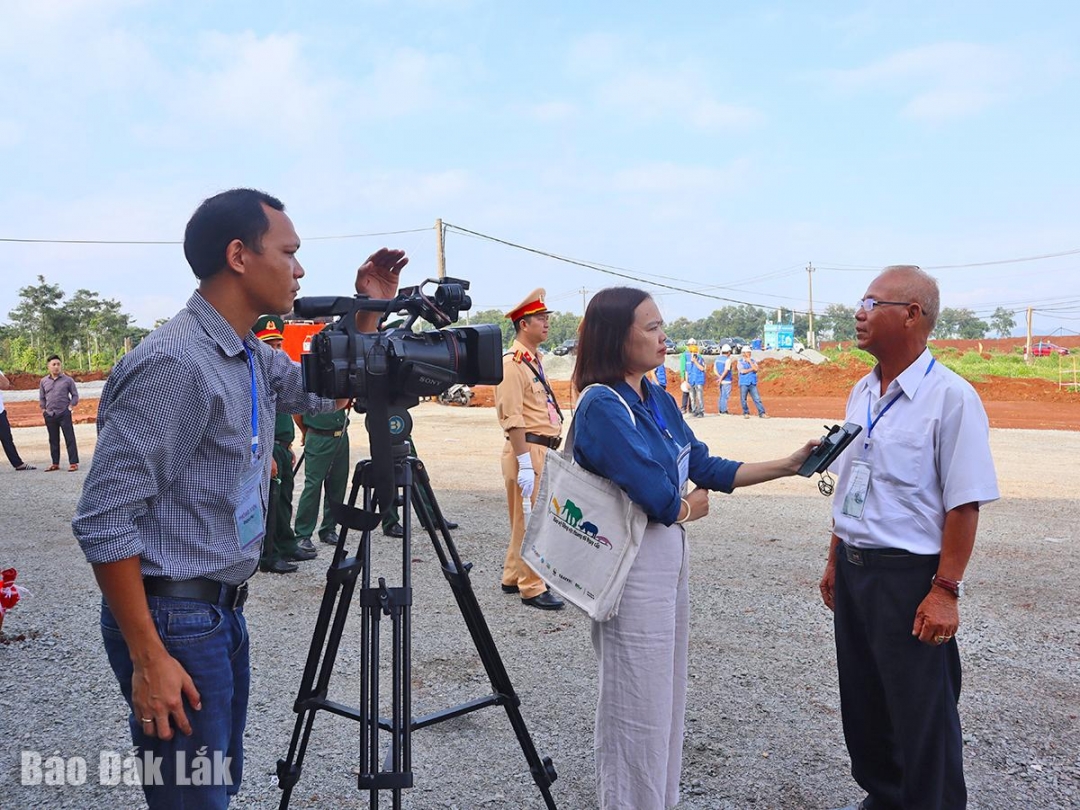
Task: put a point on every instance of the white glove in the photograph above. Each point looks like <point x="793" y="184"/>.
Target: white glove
<point x="526" y="476"/>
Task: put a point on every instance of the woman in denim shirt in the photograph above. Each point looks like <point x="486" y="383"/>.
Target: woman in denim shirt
<point x="642" y="652"/>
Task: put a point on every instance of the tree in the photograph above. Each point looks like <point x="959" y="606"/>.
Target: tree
<point x="85" y="330"/>
<point x="1002" y="322"/>
<point x="837" y="321"/>
<point x="959" y="323"/>
<point x="37" y="315"/>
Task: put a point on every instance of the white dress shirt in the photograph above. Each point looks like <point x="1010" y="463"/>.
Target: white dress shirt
<point x="928" y="453"/>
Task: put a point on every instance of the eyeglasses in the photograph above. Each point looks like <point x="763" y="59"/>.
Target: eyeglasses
<point x="869" y="303"/>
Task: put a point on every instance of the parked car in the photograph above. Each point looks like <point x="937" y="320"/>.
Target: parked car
<point x="566" y="347"/>
<point x="709" y="347"/>
<point x="797" y="346"/>
<point x="1045" y="348"/>
<point x="671" y="347"/>
<point x="736" y="343"/>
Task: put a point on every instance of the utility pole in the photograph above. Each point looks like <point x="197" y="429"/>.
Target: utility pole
<point x="1027" y="346"/>
<point x="583" y="292"/>
<point x="440" y="251"/>
<point x="811" y="341"/>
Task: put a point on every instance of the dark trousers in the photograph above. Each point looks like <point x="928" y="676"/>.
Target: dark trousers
<point x="280" y="541"/>
<point x="898" y="696"/>
<point x="9" y="443"/>
<point x="54" y="424"/>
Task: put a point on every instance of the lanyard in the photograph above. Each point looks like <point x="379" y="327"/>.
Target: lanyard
<point x="655" y="411"/>
<point x="871" y="422"/>
<point x="254" y="406"/>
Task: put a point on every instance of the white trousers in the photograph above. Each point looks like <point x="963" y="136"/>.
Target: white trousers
<point x="642" y="654"/>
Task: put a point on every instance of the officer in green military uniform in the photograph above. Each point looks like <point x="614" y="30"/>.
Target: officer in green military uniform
<point x="325" y="438"/>
<point x="280" y="547"/>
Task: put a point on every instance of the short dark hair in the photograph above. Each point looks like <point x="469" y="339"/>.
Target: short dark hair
<point x="601" y="349"/>
<point x="234" y="214"/>
<point x="53" y="357"/>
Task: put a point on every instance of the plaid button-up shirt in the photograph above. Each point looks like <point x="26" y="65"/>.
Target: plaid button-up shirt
<point x="174" y="440"/>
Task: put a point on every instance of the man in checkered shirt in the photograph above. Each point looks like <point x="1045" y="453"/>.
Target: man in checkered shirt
<point x="172" y="514"/>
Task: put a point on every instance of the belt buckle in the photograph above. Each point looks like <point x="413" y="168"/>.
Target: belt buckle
<point x="240" y="597"/>
<point x="854" y="555"/>
<point x="555" y="442"/>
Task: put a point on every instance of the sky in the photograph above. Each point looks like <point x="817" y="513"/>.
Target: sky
<point x="706" y="151"/>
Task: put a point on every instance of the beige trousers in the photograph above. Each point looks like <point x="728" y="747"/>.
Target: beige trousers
<point x="515" y="571"/>
<point x="642" y="654"/>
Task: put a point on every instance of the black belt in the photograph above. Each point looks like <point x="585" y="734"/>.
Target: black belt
<point x="883" y="557"/>
<point x="200" y="588"/>
<point x="547" y="441"/>
<point x="321" y="432"/>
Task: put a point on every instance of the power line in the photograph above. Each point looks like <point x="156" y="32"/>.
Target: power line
<point x="857" y="268"/>
<point x="597" y="267"/>
<point x="180" y="242"/>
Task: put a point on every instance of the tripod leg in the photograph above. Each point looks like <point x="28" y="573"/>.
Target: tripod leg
<point x="457" y="574"/>
<point x="322" y="654"/>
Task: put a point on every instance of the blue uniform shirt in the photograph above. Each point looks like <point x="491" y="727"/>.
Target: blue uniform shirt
<point x="746" y="376"/>
<point x="642" y="458"/>
<point x="695" y="375"/>
<point x="661" y="375"/>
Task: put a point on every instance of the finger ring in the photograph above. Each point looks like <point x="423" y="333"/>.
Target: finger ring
<point x="147" y="719"/>
<point x="940" y="639"/>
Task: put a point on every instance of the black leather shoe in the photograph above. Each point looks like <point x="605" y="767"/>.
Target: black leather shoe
<point x="278" y="567"/>
<point x="330" y="538"/>
<point x="545" y="601"/>
<point x="510" y="588"/>
<point x="301" y="555"/>
<point x="305" y="544"/>
<point x="451" y="524"/>
<point x="394" y="531"/>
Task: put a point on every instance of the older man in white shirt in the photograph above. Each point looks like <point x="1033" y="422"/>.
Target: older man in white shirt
<point x="904" y="523"/>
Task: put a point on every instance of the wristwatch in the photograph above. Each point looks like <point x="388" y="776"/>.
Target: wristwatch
<point x="953" y="586"/>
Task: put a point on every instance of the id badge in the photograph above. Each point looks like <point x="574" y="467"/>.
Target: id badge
<point x="250" y="517"/>
<point x="684" y="468"/>
<point x="855" y="499"/>
<point x="553" y="415"/>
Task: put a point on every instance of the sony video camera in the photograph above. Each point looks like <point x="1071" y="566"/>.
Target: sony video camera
<point x="398" y="365"/>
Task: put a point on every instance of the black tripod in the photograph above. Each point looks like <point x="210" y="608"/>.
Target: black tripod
<point x="410" y="478"/>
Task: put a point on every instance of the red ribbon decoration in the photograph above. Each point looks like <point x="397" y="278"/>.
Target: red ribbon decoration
<point x="9" y="591"/>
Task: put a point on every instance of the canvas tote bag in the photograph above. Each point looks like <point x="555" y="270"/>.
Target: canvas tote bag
<point x="584" y="532"/>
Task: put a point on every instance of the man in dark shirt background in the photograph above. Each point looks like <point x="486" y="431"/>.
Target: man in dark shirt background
<point x="58" y="397"/>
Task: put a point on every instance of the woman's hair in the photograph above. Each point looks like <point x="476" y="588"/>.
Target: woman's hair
<point x="601" y="349"/>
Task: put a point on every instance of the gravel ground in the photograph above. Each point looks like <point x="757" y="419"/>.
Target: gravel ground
<point x="764" y="726"/>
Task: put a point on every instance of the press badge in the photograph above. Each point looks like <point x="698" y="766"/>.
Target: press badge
<point x="855" y="500"/>
<point x="553" y="414"/>
<point x="684" y="468"/>
<point x="249" y="517"/>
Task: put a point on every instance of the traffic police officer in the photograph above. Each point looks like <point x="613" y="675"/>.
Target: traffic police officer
<point x="532" y="423"/>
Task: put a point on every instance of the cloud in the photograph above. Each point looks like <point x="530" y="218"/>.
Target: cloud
<point x="646" y="84"/>
<point x="674" y="179"/>
<point x="260" y="87"/>
<point x="549" y="112"/>
<point x="939" y="81"/>
<point x="11" y="133"/>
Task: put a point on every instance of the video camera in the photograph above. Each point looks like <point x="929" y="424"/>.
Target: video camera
<point x="345" y="363"/>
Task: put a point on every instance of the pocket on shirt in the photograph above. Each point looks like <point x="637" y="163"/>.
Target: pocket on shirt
<point x="900" y="459"/>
